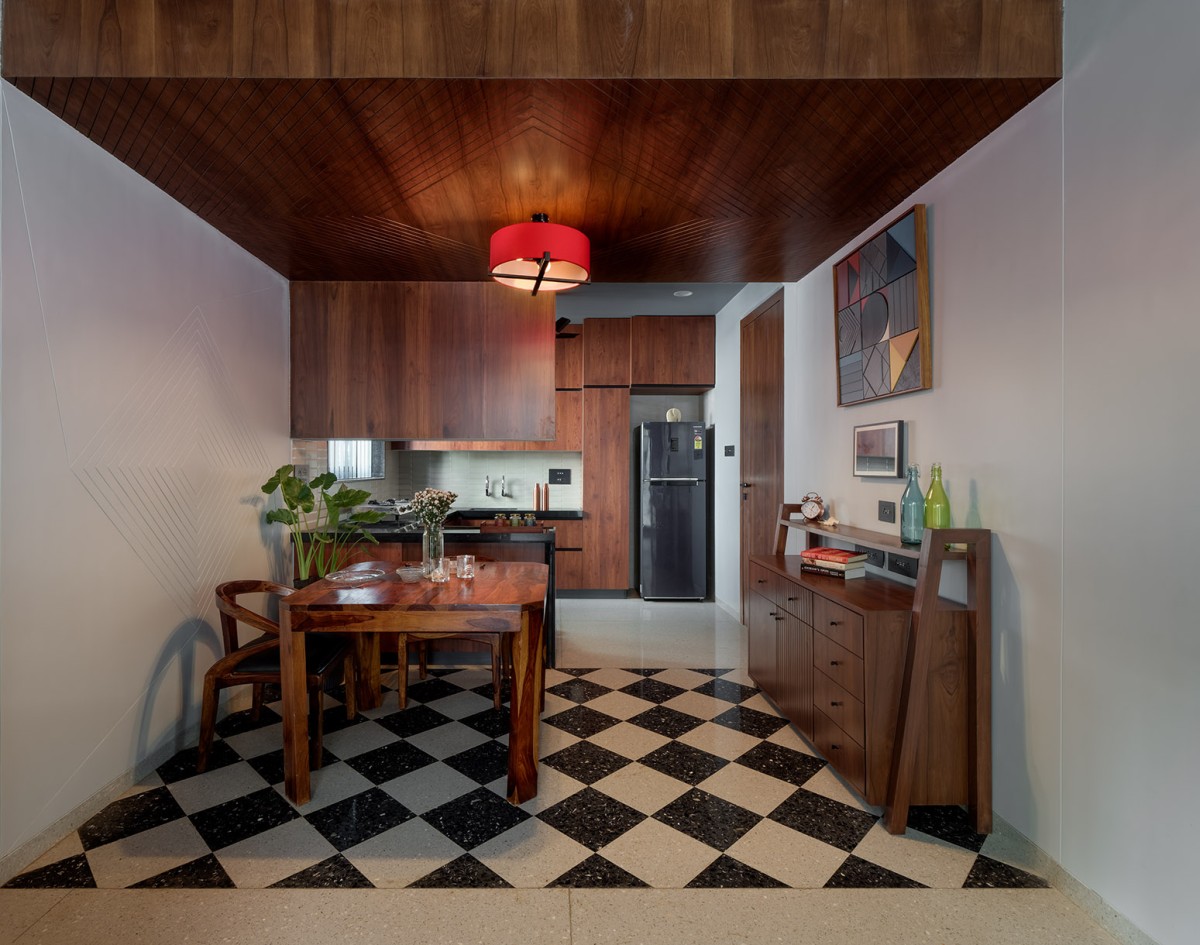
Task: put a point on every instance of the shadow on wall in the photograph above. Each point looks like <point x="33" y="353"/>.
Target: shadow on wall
<point x="191" y="642"/>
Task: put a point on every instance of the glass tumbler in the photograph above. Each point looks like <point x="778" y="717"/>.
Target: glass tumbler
<point x="464" y="566"/>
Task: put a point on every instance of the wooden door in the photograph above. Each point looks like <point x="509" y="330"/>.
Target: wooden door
<point x="762" y="432"/>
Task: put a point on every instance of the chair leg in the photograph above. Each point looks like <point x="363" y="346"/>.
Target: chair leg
<point x="423" y="659"/>
<point x="402" y="669"/>
<point x="497" y="678"/>
<point x="349" y="681"/>
<point x="256" y="701"/>
<point x="316" y="726"/>
<point x="208" y="723"/>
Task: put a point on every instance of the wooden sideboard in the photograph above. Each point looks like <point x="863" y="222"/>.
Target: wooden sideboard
<point x="891" y="683"/>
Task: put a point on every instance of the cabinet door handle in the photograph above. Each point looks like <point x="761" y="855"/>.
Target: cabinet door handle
<point x="790" y="599"/>
<point x="762" y="580"/>
<point x="778" y="618"/>
<point x="835" y="662"/>
<point x="835" y="623"/>
<point x="835" y="704"/>
<point x="835" y="747"/>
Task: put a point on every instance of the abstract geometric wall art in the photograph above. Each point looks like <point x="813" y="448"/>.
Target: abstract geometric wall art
<point x="881" y="314"/>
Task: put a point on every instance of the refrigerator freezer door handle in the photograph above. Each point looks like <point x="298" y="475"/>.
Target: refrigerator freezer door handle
<point x="673" y="479"/>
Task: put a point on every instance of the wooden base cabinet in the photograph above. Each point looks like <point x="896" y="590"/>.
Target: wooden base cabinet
<point x="831" y="654"/>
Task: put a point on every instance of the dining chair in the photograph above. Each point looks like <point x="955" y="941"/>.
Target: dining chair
<point x="328" y="657"/>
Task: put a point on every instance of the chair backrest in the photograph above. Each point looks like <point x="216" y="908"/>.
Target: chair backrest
<point x="232" y="612"/>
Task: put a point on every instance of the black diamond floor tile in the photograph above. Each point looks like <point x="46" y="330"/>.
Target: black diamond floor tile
<point x="582" y="721"/>
<point x="334" y="873"/>
<point x="74" y="872"/>
<point x="598" y="873"/>
<point x="475" y="818"/>
<point x="237" y="722"/>
<point x="788" y="765"/>
<point x="130" y="815"/>
<point x="242" y="817"/>
<point x="712" y="672"/>
<point x="578" y="690"/>
<point x="203" y="873"/>
<point x="666" y="722"/>
<point x="413" y="721"/>
<point x="270" y="765"/>
<point x="183" y="764"/>
<point x="591" y="818"/>
<point x="646" y="672"/>
<point x="586" y="762"/>
<point x="653" y="690"/>
<point x="987" y="873"/>
<point x="947" y="822"/>
<point x="483" y="763"/>
<point x="578" y="672"/>
<point x="710" y="819"/>
<point x="334" y="719"/>
<point x="688" y="764"/>
<point x="488" y="691"/>
<point x="727" y="691"/>
<point x="349" y="822"/>
<point x="489" y="722"/>
<point x="856" y="873"/>
<point x="751" y="721"/>
<point x="727" y="873"/>
<point x="464" y="873"/>
<point x="829" y="821"/>
<point x="429" y="690"/>
<point x="390" y="761"/>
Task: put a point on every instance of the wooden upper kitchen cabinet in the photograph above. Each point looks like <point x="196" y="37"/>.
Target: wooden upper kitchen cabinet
<point x="568" y="358"/>
<point x="605" y="487"/>
<point x="673" y="351"/>
<point x="606" y="352"/>
<point x="421" y="360"/>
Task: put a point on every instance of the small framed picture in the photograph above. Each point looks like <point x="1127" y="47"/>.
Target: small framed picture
<point x="879" y="450"/>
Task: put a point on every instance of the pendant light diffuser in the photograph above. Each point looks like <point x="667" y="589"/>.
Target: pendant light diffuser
<point x="540" y="255"/>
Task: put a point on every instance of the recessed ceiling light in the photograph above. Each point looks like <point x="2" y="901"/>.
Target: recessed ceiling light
<point x="682" y="293"/>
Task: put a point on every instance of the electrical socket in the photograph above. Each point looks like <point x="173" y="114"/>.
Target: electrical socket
<point x="875" y="557"/>
<point x="902" y="564"/>
<point x="887" y="511"/>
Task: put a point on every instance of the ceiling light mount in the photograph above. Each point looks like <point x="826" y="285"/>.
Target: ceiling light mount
<point x="541" y="255"/>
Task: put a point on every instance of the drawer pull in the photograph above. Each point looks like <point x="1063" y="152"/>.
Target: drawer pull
<point x="835" y="747"/>
<point x="835" y="623"/>
<point x="791" y="598"/>
<point x="779" y="618"/>
<point x="762" y="580"/>
<point x="835" y="662"/>
<point x="835" y="704"/>
<point x="772" y="613"/>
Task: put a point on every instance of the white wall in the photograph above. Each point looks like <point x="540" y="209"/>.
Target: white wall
<point x="144" y="400"/>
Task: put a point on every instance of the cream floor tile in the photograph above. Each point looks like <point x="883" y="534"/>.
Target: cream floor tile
<point x="791" y="857"/>
<point x="1007" y="845"/>
<point x="828" y="783"/>
<point x="613" y="678"/>
<point x="699" y="705"/>
<point x="330" y="784"/>
<point x="70" y="845"/>
<point x="918" y="856"/>
<point x="684" y="678"/>
<point x="830" y="917"/>
<point x="642" y="788"/>
<point x="307" y="917"/>
<point x="145" y="854"/>
<point x="22" y="908"/>
<point x="747" y="788"/>
<point x="719" y="740"/>
<point x="426" y="788"/>
<point x="258" y="741"/>
<point x="788" y="737"/>
<point x="402" y="855"/>
<point x="631" y="741"/>
<point x="447" y="740"/>
<point x="552" y="705"/>
<point x="268" y="857"/>
<point x="461" y="704"/>
<point x="216" y="787"/>
<point x="739" y="674"/>
<point x="148" y="783"/>
<point x="470" y="678"/>
<point x="553" y="786"/>
<point x="552" y="739"/>
<point x="531" y="855"/>
<point x="762" y="704"/>
<point x="356" y="739"/>
<point x="619" y="705"/>
<point x="659" y="855"/>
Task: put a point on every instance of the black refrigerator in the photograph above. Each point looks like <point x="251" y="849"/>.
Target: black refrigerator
<point x="673" y="530"/>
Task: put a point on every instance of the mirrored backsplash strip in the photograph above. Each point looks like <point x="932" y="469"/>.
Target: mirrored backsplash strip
<point x="461" y="471"/>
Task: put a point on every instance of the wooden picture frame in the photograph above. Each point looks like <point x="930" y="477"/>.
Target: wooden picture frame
<point x="881" y="313"/>
<point x="879" y="450"/>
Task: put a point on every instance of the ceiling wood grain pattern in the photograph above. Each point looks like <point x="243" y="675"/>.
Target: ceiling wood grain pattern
<point x="692" y="140"/>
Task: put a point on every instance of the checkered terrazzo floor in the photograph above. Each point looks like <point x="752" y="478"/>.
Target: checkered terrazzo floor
<point x="649" y="778"/>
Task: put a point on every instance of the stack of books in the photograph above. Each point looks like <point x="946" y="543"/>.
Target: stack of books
<point x="833" y="562"/>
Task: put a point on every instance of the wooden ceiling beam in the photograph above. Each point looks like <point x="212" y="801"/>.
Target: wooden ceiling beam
<point x="568" y="39"/>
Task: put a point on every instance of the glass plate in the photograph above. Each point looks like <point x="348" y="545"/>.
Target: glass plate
<point x="355" y="576"/>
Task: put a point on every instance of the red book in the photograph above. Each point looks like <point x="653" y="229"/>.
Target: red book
<point x="832" y="557"/>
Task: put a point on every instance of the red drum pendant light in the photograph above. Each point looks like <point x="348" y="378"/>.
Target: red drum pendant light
<point x="540" y="255"/>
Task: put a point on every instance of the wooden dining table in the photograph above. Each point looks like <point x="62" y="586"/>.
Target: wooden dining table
<point x="503" y="597"/>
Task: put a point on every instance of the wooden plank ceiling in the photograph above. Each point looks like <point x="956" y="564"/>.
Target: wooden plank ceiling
<point x="715" y="141"/>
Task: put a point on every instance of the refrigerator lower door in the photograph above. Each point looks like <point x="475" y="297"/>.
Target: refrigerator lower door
<point x="673" y="540"/>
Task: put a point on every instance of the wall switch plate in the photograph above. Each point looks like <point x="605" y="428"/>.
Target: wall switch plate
<point x="729" y="450"/>
<point x="887" y="511"/>
<point x="902" y="564"/>
<point x="875" y="557"/>
<point x="560" y="477"/>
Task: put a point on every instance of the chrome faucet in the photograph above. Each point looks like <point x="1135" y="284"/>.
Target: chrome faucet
<point x="487" y="485"/>
<point x="504" y="488"/>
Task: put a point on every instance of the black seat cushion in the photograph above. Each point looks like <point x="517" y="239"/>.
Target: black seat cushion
<point x="323" y="651"/>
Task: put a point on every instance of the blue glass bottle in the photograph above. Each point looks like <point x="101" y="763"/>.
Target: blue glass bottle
<point x="912" y="508"/>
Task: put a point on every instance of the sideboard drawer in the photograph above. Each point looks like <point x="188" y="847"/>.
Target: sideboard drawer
<point x="763" y="580"/>
<point x="840" y="706"/>
<point x="843" y="626"/>
<point x="840" y="750"/>
<point x="839" y="664"/>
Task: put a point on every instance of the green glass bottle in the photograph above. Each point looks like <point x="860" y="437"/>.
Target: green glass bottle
<point x="937" y="505"/>
<point x="912" y="508"/>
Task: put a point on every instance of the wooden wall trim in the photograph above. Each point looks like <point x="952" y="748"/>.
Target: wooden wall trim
<point x="648" y="39"/>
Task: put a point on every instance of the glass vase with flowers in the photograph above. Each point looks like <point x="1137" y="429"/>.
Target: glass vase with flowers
<point x="430" y="507"/>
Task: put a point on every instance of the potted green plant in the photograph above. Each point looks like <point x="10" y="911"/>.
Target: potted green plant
<point x="321" y="522"/>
